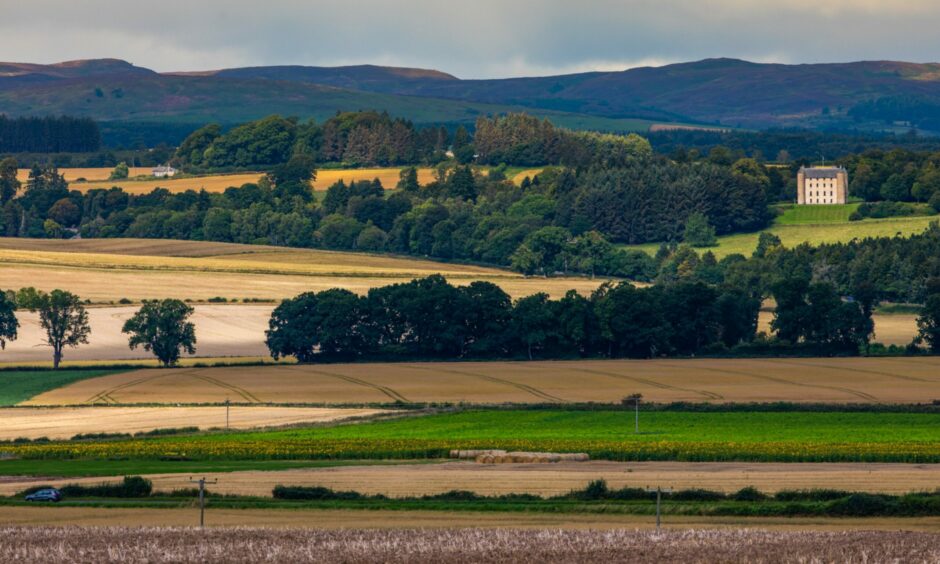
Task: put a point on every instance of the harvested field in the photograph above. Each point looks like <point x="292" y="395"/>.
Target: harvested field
<point x="553" y="479"/>
<point x="835" y="380"/>
<point x="50" y="544"/>
<point x="107" y="270"/>
<point x="221" y="331"/>
<point x="90" y="174"/>
<point x="98" y="178"/>
<point x="66" y="422"/>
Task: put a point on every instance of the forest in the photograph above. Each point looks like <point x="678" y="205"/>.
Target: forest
<point x="48" y="135"/>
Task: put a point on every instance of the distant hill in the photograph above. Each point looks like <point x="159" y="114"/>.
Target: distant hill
<point x="726" y="92"/>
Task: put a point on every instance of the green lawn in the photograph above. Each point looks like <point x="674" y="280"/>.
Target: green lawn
<point x="802" y="215"/>
<point x="19" y="385"/>
<point x="794" y="234"/>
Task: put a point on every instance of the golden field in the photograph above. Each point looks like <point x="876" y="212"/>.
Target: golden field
<point x="890" y="329"/>
<point x="98" y="178"/>
<point x="89" y="174"/>
<point x="405" y="480"/>
<point x="66" y="422"/>
<point x="107" y="270"/>
<point x="830" y="380"/>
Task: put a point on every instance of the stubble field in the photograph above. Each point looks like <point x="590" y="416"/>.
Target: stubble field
<point x="107" y="270"/>
<point x="66" y="422"/>
<point x="846" y="380"/>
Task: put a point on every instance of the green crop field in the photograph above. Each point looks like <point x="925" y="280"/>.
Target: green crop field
<point x="17" y="386"/>
<point x="796" y="233"/>
<point x="665" y="435"/>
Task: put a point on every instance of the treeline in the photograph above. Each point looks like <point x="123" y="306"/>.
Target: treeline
<point x="430" y="318"/>
<point x="915" y="110"/>
<point x="784" y="145"/>
<point x="350" y="138"/>
<point x="48" y="134"/>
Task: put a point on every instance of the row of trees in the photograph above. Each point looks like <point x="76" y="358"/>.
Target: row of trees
<point x="160" y="327"/>
<point x="50" y="134"/>
<point x="430" y="318"/>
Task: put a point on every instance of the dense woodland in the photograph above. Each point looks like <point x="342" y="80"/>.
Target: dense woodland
<point x="48" y="135"/>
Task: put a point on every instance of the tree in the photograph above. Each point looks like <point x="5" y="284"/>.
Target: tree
<point x="928" y="323"/>
<point x="533" y="322"/>
<point x="408" y="180"/>
<point x="326" y="323"/>
<point x="9" y="185"/>
<point x="462" y="184"/>
<point x="8" y="322"/>
<point x="162" y="327"/>
<point x="120" y="172"/>
<point x="64" y="320"/>
<point x="698" y="232"/>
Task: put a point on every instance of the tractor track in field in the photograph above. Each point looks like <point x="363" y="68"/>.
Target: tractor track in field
<point x="855" y="369"/>
<point x="704" y="393"/>
<point x="105" y="395"/>
<point x="523" y="387"/>
<point x="850" y="391"/>
<point x="250" y="397"/>
<point x="352" y="380"/>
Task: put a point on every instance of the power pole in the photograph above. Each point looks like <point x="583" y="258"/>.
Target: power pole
<point x="636" y="406"/>
<point x="227" y="404"/>
<point x="202" y="497"/>
<point x="659" y="496"/>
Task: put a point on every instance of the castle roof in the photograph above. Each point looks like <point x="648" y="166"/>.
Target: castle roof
<point x="822" y="171"/>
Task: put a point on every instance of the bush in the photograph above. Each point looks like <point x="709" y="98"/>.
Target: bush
<point x="811" y="495"/>
<point x="749" y="493"/>
<point x="862" y="505"/>
<point x="696" y="494"/>
<point x="312" y="493"/>
<point x="217" y="300"/>
<point x="132" y="486"/>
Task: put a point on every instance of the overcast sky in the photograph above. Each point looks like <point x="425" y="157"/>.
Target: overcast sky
<point x="469" y="38"/>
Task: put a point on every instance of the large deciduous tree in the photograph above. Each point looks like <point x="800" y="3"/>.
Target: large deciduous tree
<point x="163" y="327"/>
<point x="64" y="320"/>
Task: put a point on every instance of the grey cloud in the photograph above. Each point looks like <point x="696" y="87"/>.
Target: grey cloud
<point x="471" y="39"/>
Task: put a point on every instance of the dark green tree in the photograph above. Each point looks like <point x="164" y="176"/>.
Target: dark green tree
<point x="63" y="319"/>
<point x="8" y="322"/>
<point x="698" y="232"/>
<point x="163" y="328"/>
<point x="9" y="185"/>
<point x="533" y="323"/>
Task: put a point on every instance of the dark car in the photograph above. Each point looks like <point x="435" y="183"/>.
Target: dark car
<point x="45" y="495"/>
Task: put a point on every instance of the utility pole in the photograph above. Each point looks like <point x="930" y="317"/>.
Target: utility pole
<point x="636" y="405"/>
<point x="659" y="496"/>
<point x="227" y="404"/>
<point x="202" y="497"/>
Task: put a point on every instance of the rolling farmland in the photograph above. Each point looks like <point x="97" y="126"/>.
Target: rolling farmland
<point x="107" y="270"/>
<point x="846" y="380"/>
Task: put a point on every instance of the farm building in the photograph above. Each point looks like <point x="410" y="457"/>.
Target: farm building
<point x="822" y="185"/>
<point x="164" y="171"/>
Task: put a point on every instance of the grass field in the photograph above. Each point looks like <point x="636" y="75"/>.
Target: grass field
<point x="89" y="174"/>
<point x="18" y="386"/>
<point x="813" y="215"/>
<point x="106" y="270"/>
<point x="66" y="422"/>
<point x="755" y="436"/>
<point x="846" y="380"/>
<point x="797" y="233"/>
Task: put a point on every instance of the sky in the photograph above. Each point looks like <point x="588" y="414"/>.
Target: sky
<point x="470" y="38"/>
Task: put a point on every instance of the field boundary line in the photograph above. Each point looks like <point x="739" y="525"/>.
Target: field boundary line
<point x="654" y="383"/>
<point x="524" y="387"/>
<point x="779" y="380"/>
<point x="384" y="389"/>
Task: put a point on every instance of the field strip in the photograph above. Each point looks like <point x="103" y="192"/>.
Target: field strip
<point x="704" y="393"/>
<point x="850" y="391"/>
<point x="524" y="387"/>
<point x="856" y="369"/>
<point x="383" y="389"/>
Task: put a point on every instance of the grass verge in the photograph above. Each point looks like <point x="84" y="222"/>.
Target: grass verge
<point x="20" y="385"/>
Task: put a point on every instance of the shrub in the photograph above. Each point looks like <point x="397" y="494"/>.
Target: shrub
<point x="311" y="493"/>
<point x="696" y="494"/>
<point x="810" y="495"/>
<point x="749" y="493"/>
<point x="862" y="505"/>
<point x="132" y="486"/>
